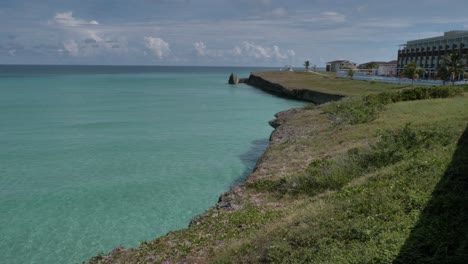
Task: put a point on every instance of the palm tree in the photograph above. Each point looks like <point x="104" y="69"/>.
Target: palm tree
<point x="443" y="73"/>
<point x="307" y="65"/>
<point x="412" y="71"/>
<point x="453" y="64"/>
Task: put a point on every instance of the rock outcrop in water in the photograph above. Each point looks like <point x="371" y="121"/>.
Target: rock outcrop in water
<point x="233" y="79"/>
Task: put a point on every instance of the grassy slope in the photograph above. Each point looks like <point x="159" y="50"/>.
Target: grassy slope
<point x="372" y="217"/>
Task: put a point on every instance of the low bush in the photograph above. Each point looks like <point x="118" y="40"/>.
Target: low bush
<point x="464" y="87"/>
<point x="355" y="110"/>
<point x="365" y="109"/>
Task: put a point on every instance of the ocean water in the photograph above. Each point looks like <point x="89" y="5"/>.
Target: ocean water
<point x="92" y="158"/>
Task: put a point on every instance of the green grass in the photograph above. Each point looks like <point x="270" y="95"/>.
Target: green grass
<point x="215" y="225"/>
<point x="332" y="174"/>
<point x="366" y="108"/>
<point x="402" y="200"/>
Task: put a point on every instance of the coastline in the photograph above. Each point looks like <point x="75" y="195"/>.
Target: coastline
<point x="234" y="198"/>
<point x="237" y="198"/>
<point x="289" y="198"/>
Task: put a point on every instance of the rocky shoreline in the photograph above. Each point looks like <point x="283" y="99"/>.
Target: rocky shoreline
<point x="235" y="198"/>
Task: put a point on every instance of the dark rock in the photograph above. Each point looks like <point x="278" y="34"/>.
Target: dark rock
<point x="282" y="116"/>
<point x="233" y="79"/>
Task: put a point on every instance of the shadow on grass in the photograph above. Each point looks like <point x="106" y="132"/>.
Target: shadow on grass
<point x="441" y="234"/>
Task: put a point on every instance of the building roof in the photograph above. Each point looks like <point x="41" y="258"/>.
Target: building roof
<point x="447" y="35"/>
<point x="339" y="61"/>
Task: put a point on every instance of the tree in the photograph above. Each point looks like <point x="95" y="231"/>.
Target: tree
<point x="307" y="65"/>
<point x="453" y="64"/>
<point x="443" y="73"/>
<point x="412" y="71"/>
<point x="351" y="73"/>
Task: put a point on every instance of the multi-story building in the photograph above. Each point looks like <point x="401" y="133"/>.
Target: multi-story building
<point x="334" y="66"/>
<point x="427" y="53"/>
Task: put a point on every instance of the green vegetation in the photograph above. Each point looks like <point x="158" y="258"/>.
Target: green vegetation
<point x="392" y="147"/>
<point x="307" y="65"/>
<point x="371" y="219"/>
<point x="451" y="66"/>
<point x="351" y="73"/>
<point x="361" y="110"/>
<point x="412" y="71"/>
<point x="400" y="200"/>
<point x="377" y="178"/>
<point x="213" y="226"/>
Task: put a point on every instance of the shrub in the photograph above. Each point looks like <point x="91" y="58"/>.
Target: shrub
<point x="355" y="110"/>
<point x="365" y="109"/>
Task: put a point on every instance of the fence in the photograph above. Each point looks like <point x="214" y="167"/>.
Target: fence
<point x="395" y="80"/>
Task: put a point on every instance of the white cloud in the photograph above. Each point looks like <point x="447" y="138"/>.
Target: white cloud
<point x="250" y="49"/>
<point x="71" y="47"/>
<point x="158" y="46"/>
<point x="67" y="19"/>
<point x="12" y="52"/>
<point x="200" y="48"/>
<point x="82" y="38"/>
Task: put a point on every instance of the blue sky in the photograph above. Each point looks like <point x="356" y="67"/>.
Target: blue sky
<point x="217" y="32"/>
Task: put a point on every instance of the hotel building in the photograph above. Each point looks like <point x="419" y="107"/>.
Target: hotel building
<point x="427" y="53"/>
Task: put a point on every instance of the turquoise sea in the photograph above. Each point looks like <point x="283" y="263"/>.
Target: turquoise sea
<point x="94" y="157"/>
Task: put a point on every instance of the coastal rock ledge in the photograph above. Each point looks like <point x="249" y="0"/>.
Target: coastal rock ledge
<point x="315" y="97"/>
